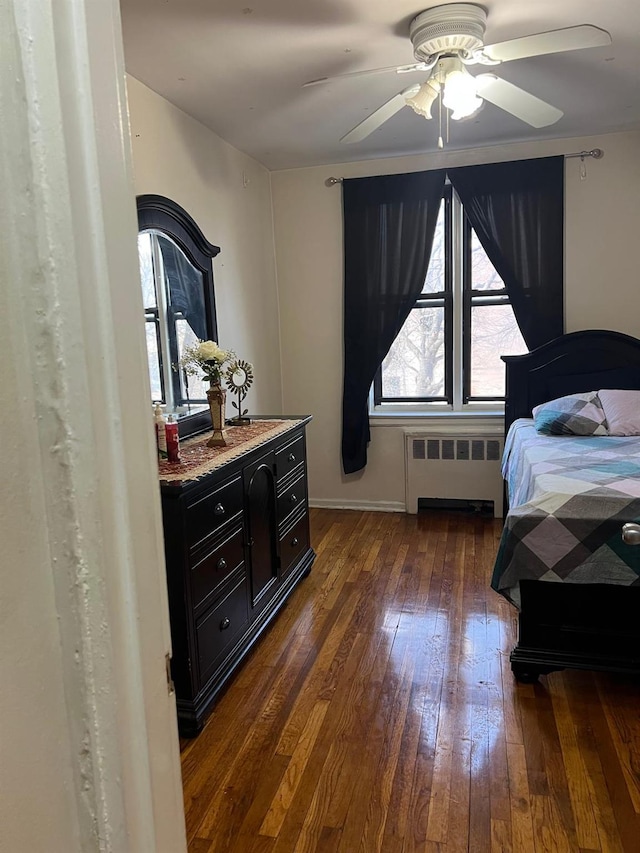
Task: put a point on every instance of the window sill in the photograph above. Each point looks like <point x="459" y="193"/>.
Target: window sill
<point x="489" y="421"/>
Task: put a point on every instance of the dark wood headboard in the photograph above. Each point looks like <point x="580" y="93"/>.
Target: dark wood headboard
<point x="579" y="361"/>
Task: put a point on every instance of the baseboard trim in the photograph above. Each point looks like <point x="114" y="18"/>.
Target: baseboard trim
<point x="362" y="506"/>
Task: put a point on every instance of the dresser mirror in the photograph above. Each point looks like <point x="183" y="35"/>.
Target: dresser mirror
<point x="176" y="273"/>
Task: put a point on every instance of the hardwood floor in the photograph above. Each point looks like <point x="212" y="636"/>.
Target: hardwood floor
<point x="380" y="714"/>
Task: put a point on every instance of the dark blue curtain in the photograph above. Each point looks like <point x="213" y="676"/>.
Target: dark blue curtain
<point x="186" y="289"/>
<point x="389" y="225"/>
<point x="517" y="211"/>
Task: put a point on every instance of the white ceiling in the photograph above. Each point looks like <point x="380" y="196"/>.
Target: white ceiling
<point x="238" y="67"/>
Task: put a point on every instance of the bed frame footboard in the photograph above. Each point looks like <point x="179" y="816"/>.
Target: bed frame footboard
<point x="580" y="626"/>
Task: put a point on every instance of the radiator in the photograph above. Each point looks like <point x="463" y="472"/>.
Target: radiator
<point x="453" y="467"/>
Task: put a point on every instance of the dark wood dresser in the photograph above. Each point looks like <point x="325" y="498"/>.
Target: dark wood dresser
<point x="236" y="529"/>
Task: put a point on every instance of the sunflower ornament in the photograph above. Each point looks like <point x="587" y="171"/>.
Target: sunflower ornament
<point x="239" y="378"/>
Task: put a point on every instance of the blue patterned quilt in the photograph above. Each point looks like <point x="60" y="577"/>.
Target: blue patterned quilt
<point x="569" y="497"/>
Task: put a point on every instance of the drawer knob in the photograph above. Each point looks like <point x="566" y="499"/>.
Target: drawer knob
<point x="631" y="533"/>
<point x="293" y="499"/>
<point x="291" y="457"/>
<point x="294" y="541"/>
<point x="225" y="623"/>
<point x="222" y="563"/>
<point x="219" y="509"/>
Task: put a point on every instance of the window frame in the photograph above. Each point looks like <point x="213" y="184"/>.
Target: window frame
<point x="461" y="299"/>
<point x="470" y="299"/>
<point x="165" y="321"/>
<point x="152" y="317"/>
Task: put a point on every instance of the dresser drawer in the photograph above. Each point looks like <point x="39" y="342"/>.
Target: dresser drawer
<point x="292" y="498"/>
<point x="294" y="543"/>
<point x="289" y="456"/>
<point x="210" y="568"/>
<point x="220" y="628"/>
<point x="208" y="513"/>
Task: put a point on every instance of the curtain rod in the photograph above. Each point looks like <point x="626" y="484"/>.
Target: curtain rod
<point x="596" y="153"/>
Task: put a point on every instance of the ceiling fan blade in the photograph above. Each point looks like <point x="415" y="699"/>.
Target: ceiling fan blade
<point x="512" y="99"/>
<point x="555" y="41"/>
<point x="378" y="118"/>
<point x="397" y="69"/>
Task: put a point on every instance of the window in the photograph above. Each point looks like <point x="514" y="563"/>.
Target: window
<point x="172" y="292"/>
<point x="447" y="354"/>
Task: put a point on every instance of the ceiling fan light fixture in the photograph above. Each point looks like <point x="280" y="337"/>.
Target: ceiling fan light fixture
<point x="422" y="101"/>
<point x="460" y="93"/>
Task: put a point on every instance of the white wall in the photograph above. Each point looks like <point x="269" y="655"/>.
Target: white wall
<point x="602" y="228"/>
<point x="229" y="196"/>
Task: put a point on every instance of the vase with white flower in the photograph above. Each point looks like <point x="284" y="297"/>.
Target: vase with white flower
<point x="207" y="359"/>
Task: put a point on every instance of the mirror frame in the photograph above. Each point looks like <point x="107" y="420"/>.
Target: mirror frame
<point x="162" y="214"/>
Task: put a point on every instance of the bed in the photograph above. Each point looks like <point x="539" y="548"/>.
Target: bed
<point x="562" y="560"/>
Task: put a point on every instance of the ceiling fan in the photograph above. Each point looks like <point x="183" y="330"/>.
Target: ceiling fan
<point x="446" y="40"/>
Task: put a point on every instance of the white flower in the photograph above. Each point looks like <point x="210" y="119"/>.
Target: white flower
<point x="206" y="357"/>
<point x="210" y="351"/>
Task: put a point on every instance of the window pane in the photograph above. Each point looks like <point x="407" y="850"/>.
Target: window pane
<point x="154" y="361"/>
<point x="149" y="297"/>
<point x="196" y="389"/>
<point x="434" y="282"/>
<point x="494" y="332"/>
<point x="415" y="364"/>
<point x="483" y="274"/>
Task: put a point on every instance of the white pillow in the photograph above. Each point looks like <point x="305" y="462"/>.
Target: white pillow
<point x="622" y="409"/>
